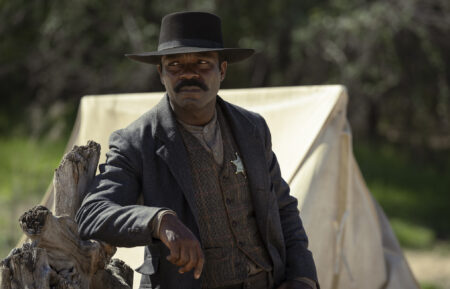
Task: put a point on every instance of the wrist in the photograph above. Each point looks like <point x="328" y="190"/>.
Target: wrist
<point x="158" y="221"/>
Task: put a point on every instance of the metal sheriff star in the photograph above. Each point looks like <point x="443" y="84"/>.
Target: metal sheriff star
<point x="239" y="165"/>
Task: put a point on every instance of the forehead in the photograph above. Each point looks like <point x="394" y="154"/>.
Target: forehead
<point x="196" y="55"/>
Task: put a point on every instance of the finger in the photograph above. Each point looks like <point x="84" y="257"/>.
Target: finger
<point x="191" y="262"/>
<point x="184" y="256"/>
<point x="200" y="263"/>
<point x="174" y="254"/>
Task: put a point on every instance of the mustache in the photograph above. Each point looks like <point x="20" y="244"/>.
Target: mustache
<point x="190" y="82"/>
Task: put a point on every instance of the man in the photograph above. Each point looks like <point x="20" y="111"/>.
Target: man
<point x="216" y="212"/>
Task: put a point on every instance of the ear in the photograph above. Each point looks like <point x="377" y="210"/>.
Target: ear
<point x="223" y="70"/>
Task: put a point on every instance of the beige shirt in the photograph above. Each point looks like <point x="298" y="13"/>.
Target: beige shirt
<point x="209" y="137"/>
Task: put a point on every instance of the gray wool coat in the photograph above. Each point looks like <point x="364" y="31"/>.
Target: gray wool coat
<point x="148" y="160"/>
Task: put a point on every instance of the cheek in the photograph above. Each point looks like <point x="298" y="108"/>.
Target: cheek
<point x="216" y="77"/>
<point x="166" y="81"/>
<point x="219" y="80"/>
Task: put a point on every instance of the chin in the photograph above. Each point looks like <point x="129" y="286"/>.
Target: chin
<point x="191" y="100"/>
<point x="192" y="104"/>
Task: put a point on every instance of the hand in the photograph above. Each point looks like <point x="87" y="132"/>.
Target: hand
<point x="185" y="250"/>
<point x="294" y="285"/>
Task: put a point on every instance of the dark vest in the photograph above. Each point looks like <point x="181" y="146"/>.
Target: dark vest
<point x="228" y="229"/>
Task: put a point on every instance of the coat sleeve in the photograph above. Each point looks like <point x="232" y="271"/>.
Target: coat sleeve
<point x="109" y="212"/>
<point x="299" y="260"/>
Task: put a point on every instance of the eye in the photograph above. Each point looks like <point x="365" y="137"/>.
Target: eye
<point x="201" y="61"/>
<point x="173" y="63"/>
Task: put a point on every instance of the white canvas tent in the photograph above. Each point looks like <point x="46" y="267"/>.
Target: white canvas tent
<point x="350" y="237"/>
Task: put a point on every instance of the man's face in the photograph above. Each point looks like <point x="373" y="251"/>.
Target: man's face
<point x="192" y="80"/>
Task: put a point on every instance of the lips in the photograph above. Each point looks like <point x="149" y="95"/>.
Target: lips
<point x="190" y="88"/>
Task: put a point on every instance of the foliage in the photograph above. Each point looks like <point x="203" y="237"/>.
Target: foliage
<point x="26" y="169"/>
<point x="412" y="236"/>
<point x="429" y="286"/>
<point x="392" y="56"/>
<point x="410" y="189"/>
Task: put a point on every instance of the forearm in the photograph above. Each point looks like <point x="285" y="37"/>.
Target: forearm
<point x="123" y="226"/>
<point x="110" y="212"/>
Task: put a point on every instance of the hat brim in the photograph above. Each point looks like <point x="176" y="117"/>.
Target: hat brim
<point x="231" y="55"/>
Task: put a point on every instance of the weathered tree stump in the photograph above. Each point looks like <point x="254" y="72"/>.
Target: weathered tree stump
<point x="56" y="258"/>
<point x="117" y="275"/>
<point x="28" y="267"/>
<point x="5" y="277"/>
<point x="72" y="177"/>
<point x="74" y="260"/>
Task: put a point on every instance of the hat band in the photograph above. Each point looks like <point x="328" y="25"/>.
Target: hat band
<point x="189" y="43"/>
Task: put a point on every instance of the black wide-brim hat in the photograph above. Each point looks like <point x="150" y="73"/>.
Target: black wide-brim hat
<point x="190" y="32"/>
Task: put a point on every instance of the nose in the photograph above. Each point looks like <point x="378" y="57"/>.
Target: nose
<point x="189" y="71"/>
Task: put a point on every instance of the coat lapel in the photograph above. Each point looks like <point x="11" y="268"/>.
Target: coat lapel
<point x="251" y="149"/>
<point x="173" y="152"/>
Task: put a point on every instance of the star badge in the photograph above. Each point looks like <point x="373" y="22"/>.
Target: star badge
<point x="239" y="165"/>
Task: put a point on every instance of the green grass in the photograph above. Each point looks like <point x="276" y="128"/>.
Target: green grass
<point x="26" y="170"/>
<point x="413" y="236"/>
<point x="413" y="190"/>
<point x="429" y="286"/>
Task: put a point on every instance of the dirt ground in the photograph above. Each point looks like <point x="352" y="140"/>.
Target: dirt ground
<point x="430" y="267"/>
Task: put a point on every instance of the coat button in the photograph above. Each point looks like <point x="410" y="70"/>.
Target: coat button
<point x="229" y="201"/>
<point x="234" y="223"/>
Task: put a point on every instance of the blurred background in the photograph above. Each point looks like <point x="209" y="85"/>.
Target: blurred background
<point x="392" y="55"/>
